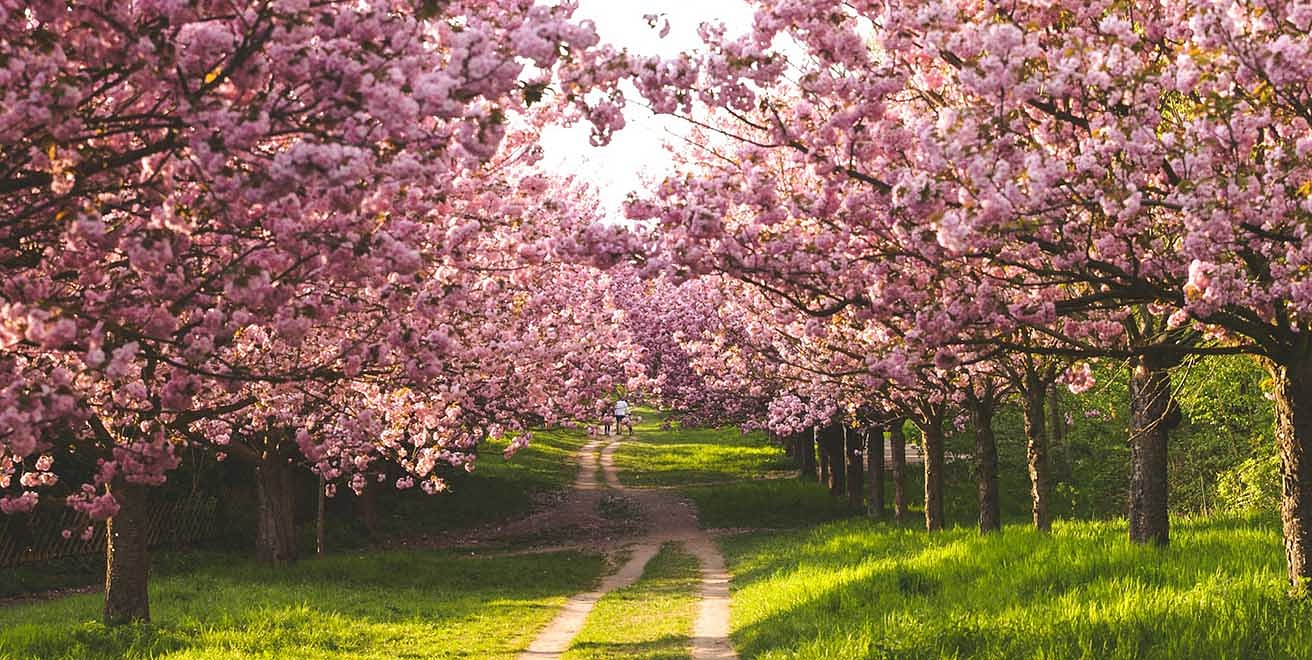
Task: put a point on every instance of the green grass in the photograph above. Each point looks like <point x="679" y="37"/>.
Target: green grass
<point x="651" y="620"/>
<point x="680" y="457"/>
<point x="767" y="503"/>
<point x="732" y="469"/>
<point x="497" y="490"/>
<point x="381" y="605"/>
<point x="61" y="573"/>
<point x="856" y="589"/>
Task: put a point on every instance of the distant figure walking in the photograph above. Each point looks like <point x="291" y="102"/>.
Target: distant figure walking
<point x="622" y="416"/>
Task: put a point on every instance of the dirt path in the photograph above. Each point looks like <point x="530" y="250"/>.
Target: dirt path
<point x="666" y="517"/>
<point x="571" y="522"/>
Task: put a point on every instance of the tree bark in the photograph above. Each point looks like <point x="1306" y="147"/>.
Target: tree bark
<point x="1150" y="424"/>
<point x="897" y="441"/>
<point x="932" y="430"/>
<point x="832" y="436"/>
<point x="1036" y="451"/>
<point x="275" y="538"/>
<point x="853" y="440"/>
<point x="823" y="462"/>
<point x="1060" y="455"/>
<point x="986" y="466"/>
<point x="367" y="505"/>
<point x="806" y="444"/>
<point x="127" y="557"/>
<point x="875" y="468"/>
<point x="320" y="519"/>
<point x="1293" y="397"/>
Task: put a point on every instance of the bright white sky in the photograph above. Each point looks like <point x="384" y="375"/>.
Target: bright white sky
<point x="637" y="150"/>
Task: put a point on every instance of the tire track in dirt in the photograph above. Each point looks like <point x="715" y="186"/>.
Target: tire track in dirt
<point x="667" y="517"/>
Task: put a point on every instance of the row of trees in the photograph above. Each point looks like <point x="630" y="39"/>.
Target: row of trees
<point x="283" y="233"/>
<point x="314" y="232"/>
<point x="914" y="210"/>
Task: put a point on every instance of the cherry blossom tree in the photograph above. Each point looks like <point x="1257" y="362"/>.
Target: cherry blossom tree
<point x="1077" y="147"/>
<point x="219" y="221"/>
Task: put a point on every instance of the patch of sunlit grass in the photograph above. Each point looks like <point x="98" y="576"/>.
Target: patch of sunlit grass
<point x="856" y="589"/>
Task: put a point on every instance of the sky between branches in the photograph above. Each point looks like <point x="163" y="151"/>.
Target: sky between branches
<point x="636" y="152"/>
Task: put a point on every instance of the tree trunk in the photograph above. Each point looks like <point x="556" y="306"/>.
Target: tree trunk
<point x="897" y="442"/>
<point x="1061" y="461"/>
<point x="986" y="466"/>
<point x="834" y="451"/>
<point x="1293" y="397"/>
<point x="127" y="557"/>
<point x="275" y="538"/>
<point x="321" y="515"/>
<point x="875" y="469"/>
<point x="806" y="447"/>
<point x="1150" y="423"/>
<point x="823" y="463"/>
<point x="853" y="440"/>
<point x="367" y="506"/>
<point x="1036" y="452"/>
<point x="933" y="435"/>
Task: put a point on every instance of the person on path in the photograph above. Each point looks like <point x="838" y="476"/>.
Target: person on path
<point x="621" y="416"/>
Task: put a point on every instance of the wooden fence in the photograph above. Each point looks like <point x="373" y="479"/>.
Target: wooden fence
<point x="40" y="535"/>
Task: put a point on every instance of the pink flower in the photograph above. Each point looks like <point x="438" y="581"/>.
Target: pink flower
<point x="21" y="504"/>
<point x="1199" y="279"/>
<point x="1079" y="378"/>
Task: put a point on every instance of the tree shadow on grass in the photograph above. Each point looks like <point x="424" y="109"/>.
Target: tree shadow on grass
<point x="849" y="591"/>
<point x="667" y="647"/>
<point x="376" y="606"/>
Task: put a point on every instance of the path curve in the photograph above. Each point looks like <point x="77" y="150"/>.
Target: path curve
<point x="667" y="517"/>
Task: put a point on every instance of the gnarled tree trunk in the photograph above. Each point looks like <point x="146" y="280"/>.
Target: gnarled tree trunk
<point x="275" y="537"/>
<point x="897" y="442"/>
<point x="933" y="434"/>
<point x="1036" y="452"/>
<point x="875" y="469"/>
<point x="1293" y="397"/>
<point x="127" y="557"/>
<point x="853" y="441"/>
<point x="1152" y="415"/>
<point x="986" y="465"/>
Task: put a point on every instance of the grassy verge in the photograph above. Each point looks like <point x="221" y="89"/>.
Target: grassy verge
<point x="651" y="620"/>
<point x="680" y="457"/>
<point x="767" y="503"/>
<point x="855" y="589"/>
<point x="497" y="490"/>
<point x="733" y="471"/>
<point x="382" y="605"/>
